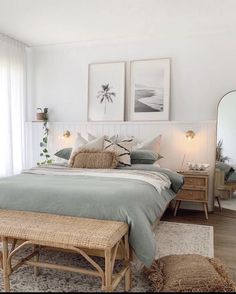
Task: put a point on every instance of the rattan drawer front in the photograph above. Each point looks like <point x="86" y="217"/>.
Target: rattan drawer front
<point x="195" y="181"/>
<point x="192" y="195"/>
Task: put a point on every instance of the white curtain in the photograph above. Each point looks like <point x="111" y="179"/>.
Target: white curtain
<point x="12" y="104"/>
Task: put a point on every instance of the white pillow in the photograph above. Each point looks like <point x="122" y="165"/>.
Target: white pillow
<point x="91" y="137"/>
<point x="80" y="142"/>
<point x="154" y="144"/>
<point x="123" y="150"/>
<point x="112" y="138"/>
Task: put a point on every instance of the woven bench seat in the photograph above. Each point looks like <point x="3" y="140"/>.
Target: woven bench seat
<point x="65" y="232"/>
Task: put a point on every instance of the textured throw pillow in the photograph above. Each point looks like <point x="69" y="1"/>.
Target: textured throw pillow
<point x="122" y="149"/>
<point x="97" y="143"/>
<point x="154" y="144"/>
<point x="64" y="153"/>
<point x="92" y="158"/>
<point x="189" y="273"/>
<point x="144" y="157"/>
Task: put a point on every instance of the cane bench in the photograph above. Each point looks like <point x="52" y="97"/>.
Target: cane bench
<point x="42" y="230"/>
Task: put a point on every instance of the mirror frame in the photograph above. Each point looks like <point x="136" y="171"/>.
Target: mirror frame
<point x="217" y="114"/>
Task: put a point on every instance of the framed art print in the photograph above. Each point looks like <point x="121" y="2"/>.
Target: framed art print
<point x="106" y="91"/>
<point x="150" y="89"/>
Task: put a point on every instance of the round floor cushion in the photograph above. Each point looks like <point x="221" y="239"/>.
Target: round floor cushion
<point x="189" y="273"/>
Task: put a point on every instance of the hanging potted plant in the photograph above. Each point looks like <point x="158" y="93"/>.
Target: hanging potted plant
<point x="42" y="114"/>
<point x="44" y="154"/>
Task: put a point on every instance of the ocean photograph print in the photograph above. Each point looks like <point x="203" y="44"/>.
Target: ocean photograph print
<point x="150" y="89"/>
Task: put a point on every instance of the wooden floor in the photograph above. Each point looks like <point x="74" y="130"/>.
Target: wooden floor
<point x="224" y="224"/>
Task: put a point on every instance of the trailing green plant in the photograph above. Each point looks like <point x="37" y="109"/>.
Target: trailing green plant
<point x="44" y="154"/>
<point x="219" y="152"/>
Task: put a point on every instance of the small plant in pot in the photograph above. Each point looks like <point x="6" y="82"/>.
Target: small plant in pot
<point x="42" y="114"/>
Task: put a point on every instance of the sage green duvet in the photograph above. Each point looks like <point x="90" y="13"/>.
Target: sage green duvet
<point x="135" y="201"/>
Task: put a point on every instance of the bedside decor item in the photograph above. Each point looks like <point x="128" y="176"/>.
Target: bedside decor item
<point x="189" y="273"/>
<point x="150" y="89"/>
<point x="42" y="114"/>
<point x="198" y="166"/>
<point x="106" y="90"/>
<point x="195" y="189"/>
<point x="92" y="158"/>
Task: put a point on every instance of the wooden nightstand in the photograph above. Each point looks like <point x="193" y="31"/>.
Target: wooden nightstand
<point x="195" y="189"/>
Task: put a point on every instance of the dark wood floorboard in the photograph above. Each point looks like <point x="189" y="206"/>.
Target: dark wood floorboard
<point x="224" y="224"/>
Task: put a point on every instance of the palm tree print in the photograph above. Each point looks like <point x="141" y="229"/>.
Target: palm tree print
<point x="105" y="95"/>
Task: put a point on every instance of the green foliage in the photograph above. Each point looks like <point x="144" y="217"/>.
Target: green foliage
<point x="219" y="152"/>
<point x="46" y="158"/>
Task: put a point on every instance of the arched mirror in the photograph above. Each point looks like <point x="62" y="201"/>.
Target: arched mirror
<point x="225" y="169"/>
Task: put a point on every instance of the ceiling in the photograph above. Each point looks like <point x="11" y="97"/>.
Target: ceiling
<point x="42" y="22"/>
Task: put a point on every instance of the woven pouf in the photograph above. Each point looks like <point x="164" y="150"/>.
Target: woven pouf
<point x="189" y="273"/>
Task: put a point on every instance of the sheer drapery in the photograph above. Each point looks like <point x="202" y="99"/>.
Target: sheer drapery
<point x="12" y="102"/>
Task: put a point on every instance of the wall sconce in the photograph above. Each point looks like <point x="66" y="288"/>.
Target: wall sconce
<point x="190" y="134"/>
<point x="66" y="134"/>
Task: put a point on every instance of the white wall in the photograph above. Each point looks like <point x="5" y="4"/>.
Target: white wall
<point x="203" y="69"/>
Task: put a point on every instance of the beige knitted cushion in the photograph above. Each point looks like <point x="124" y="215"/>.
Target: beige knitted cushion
<point x="189" y="273"/>
<point x="94" y="159"/>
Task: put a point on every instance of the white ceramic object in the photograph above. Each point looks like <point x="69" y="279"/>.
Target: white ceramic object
<point x="198" y="166"/>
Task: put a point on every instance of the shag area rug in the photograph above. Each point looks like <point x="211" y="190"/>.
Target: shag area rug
<point x="172" y="238"/>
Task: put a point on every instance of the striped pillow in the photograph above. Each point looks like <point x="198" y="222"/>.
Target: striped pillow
<point x="122" y="149"/>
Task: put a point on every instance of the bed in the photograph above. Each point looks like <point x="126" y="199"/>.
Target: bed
<point x="137" y="195"/>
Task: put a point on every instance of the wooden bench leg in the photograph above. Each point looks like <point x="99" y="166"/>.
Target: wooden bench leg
<point x="108" y="271"/>
<point x="6" y="280"/>
<point x="128" y="278"/>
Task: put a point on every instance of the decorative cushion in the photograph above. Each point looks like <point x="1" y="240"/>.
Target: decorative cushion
<point x="112" y="138"/>
<point x="122" y="149"/>
<point x="189" y="273"/>
<point x="97" y="143"/>
<point x="92" y="158"/>
<point x="144" y="157"/>
<point x="154" y="144"/>
<point x="64" y="153"/>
